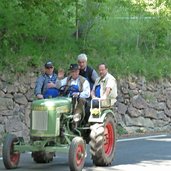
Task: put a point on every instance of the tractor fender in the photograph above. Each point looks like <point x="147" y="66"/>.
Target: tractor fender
<point x="102" y="116"/>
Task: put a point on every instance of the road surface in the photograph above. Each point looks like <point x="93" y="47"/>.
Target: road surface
<point x="132" y="154"/>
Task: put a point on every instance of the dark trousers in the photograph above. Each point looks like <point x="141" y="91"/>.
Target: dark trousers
<point x="82" y="106"/>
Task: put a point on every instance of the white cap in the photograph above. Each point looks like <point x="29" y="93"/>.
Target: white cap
<point x="82" y="56"/>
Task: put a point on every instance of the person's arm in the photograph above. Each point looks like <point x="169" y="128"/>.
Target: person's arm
<point x="106" y="93"/>
<point x="86" y="90"/>
<point x="111" y="85"/>
<point x="52" y="81"/>
<point x="93" y="89"/>
<point x="93" y="93"/>
<point x="51" y="85"/>
<point x="38" y="87"/>
<point x="61" y="82"/>
<point x="61" y="74"/>
<point x="115" y="89"/>
<point x="61" y="79"/>
<point x="94" y="75"/>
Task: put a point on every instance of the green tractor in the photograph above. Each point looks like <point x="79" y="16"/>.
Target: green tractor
<point x="55" y="129"/>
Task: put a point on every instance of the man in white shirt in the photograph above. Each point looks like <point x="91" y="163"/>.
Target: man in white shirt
<point x="105" y="87"/>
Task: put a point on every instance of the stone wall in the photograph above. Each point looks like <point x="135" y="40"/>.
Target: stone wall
<point x="144" y="106"/>
<point x="16" y="95"/>
<point x="141" y="105"/>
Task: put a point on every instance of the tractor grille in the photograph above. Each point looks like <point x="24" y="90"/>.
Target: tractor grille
<point x="40" y="120"/>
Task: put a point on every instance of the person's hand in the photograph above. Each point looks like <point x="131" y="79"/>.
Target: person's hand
<point x="61" y="74"/>
<point x="103" y="97"/>
<point x="39" y="96"/>
<point x="50" y="85"/>
<point x="93" y="96"/>
<point x="76" y="94"/>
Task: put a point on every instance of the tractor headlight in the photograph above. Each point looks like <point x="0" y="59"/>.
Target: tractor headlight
<point x="76" y="117"/>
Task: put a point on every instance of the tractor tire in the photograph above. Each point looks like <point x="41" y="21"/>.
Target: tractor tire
<point x="103" y="142"/>
<point x="42" y="157"/>
<point x="77" y="153"/>
<point x="10" y="157"/>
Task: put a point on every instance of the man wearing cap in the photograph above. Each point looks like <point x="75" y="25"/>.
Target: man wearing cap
<point x="76" y="86"/>
<point x="46" y="83"/>
<point x="86" y="71"/>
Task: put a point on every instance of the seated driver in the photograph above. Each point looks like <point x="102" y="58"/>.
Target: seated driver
<point x="76" y="86"/>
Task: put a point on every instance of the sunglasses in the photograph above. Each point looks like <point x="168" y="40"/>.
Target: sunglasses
<point x="49" y="67"/>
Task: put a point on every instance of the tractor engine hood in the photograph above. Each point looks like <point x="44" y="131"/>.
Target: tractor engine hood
<point x="60" y="104"/>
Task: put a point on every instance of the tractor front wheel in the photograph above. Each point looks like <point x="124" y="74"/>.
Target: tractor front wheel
<point x="103" y="141"/>
<point x="10" y="157"/>
<point x="77" y="153"/>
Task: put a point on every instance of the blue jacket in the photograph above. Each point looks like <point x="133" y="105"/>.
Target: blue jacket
<point x="41" y="83"/>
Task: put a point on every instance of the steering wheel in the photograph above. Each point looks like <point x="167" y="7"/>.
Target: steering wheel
<point x="64" y="90"/>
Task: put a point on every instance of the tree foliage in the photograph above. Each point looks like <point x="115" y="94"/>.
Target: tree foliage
<point x="127" y="32"/>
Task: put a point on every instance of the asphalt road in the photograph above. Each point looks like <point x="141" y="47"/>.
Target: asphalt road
<point x="132" y="154"/>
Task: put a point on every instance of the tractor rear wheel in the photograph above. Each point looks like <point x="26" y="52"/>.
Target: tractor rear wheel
<point x="10" y="157"/>
<point x="42" y="157"/>
<point x="103" y="141"/>
<point x="77" y="153"/>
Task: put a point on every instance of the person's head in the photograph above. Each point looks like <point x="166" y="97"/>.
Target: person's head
<point x="74" y="71"/>
<point x="82" y="60"/>
<point x="49" y="68"/>
<point x="103" y="70"/>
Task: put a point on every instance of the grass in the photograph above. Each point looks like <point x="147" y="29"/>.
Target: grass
<point x="119" y="65"/>
<point x="121" y="130"/>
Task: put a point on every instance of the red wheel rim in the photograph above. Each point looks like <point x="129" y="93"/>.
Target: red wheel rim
<point x="14" y="156"/>
<point x="79" y="154"/>
<point x="108" y="139"/>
